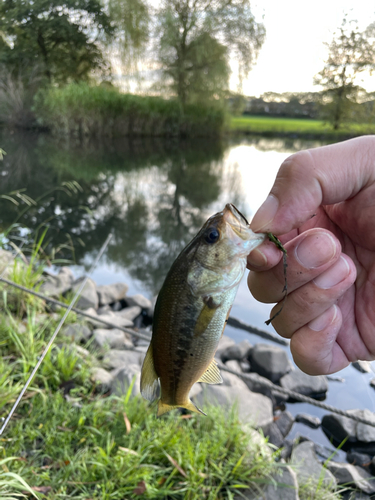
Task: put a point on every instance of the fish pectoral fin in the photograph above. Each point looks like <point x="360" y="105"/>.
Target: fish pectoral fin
<point x="149" y="378"/>
<point x="205" y="316"/>
<point x="212" y="374"/>
<point x="189" y="405"/>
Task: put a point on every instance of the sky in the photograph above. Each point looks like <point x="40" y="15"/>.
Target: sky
<point x="293" y="51"/>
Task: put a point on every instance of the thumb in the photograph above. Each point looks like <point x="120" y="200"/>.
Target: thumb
<point x="308" y="179"/>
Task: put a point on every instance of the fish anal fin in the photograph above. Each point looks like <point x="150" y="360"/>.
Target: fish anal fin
<point x="149" y="378"/>
<point x="189" y="405"/>
<point x="212" y="374"/>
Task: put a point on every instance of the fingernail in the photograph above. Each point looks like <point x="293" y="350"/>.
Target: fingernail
<point x="265" y="213"/>
<point x="334" y="275"/>
<point x="257" y="258"/>
<point x="324" y="320"/>
<point x="315" y="250"/>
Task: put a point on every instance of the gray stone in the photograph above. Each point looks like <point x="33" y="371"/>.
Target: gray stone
<point x="245" y="366"/>
<point x="362" y="366"/>
<point x="114" y="339"/>
<point x="124" y="377"/>
<point x="111" y="293"/>
<point x="233" y="365"/>
<point x="104" y="310"/>
<point x="269" y="361"/>
<point x="6" y="262"/>
<point x="339" y="427"/>
<point x="348" y="473"/>
<point x="229" y="379"/>
<point x="252" y="407"/>
<point x="224" y="343"/>
<point x="365" y="433"/>
<point x="308" y="467"/>
<point x="282" y="487"/>
<point x="361" y="459"/>
<point x="114" y="319"/>
<point x="284" y="422"/>
<point x="77" y="332"/>
<point x="55" y="285"/>
<point x="129" y="312"/>
<point x="102" y="378"/>
<point x="120" y="359"/>
<point x="309" y="420"/>
<point x="88" y="297"/>
<point x="237" y="351"/>
<point x="272" y="432"/>
<point x="308" y="385"/>
<point x="139" y="300"/>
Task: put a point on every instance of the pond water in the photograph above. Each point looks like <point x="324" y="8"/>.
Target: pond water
<point x="153" y="195"/>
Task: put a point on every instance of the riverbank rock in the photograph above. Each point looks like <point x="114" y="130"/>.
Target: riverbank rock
<point x="280" y="487"/>
<point x="6" y="262"/>
<point x="269" y="361"/>
<point x="88" y="297"/>
<point x="338" y="428"/>
<point x="309" y="420"/>
<point x="102" y="378"/>
<point x="252" y="407"/>
<point x="237" y="352"/>
<point x="124" y="378"/>
<point x="108" y="294"/>
<point x="298" y="381"/>
<point x="77" y="332"/>
<point x="308" y="467"/>
<point x="114" y="339"/>
<point x="56" y="285"/>
<point x="362" y="366"/>
<point x="116" y="358"/>
<point x="139" y="301"/>
<point x="353" y="475"/>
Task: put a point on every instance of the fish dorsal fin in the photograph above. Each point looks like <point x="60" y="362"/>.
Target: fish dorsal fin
<point x="149" y="378"/>
<point x="212" y="374"/>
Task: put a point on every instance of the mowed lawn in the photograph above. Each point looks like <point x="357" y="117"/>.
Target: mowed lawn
<point x="271" y="125"/>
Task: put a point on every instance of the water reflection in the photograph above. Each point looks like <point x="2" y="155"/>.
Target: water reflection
<point x="152" y="195"/>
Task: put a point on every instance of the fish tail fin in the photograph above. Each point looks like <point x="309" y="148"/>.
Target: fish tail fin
<point x="149" y="378"/>
<point x="189" y="405"/>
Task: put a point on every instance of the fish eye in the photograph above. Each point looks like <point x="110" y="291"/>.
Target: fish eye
<point x="212" y="235"/>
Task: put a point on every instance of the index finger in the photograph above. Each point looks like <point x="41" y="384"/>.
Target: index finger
<point x="308" y="179"/>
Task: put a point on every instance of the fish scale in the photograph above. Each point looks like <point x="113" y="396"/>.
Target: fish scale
<point x="192" y="308"/>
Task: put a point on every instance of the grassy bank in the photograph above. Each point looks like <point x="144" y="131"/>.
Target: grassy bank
<point x="70" y="439"/>
<point x="271" y="126"/>
<point x="97" y="111"/>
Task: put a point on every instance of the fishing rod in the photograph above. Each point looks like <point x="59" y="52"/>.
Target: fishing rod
<point x="58" y="328"/>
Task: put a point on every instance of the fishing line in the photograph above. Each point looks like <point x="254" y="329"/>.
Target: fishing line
<point x="75" y="298"/>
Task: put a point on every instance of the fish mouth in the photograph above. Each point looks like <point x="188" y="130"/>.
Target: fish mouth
<point x="236" y="220"/>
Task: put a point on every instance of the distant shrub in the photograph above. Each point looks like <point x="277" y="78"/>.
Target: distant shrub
<point x="82" y="110"/>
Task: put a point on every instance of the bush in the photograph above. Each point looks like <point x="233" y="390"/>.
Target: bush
<point x="81" y="110"/>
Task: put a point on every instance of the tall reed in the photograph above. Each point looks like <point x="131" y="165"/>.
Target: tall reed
<point x="81" y="110"/>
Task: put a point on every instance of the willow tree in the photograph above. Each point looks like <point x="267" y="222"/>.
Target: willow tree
<point x="351" y="52"/>
<point x="191" y="43"/>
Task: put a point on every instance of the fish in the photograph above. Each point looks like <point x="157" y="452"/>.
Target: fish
<point x="192" y="309"/>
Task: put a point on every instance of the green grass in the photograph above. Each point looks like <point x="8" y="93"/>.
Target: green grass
<point x="68" y="440"/>
<point x="82" y="110"/>
<point x="288" y="126"/>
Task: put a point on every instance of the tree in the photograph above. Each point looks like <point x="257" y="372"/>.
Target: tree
<point x="194" y="40"/>
<point x="350" y="53"/>
<point x="61" y="37"/>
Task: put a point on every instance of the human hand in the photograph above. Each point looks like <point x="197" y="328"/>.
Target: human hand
<point x="322" y="208"/>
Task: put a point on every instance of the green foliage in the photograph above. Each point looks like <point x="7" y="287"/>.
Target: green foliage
<point x="97" y="111"/>
<point x="269" y="126"/>
<point x="350" y="53"/>
<point x="61" y="37"/>
<point x="191" y="42"/>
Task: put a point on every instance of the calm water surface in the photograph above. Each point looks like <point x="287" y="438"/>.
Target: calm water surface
<point x="153" y="195"/>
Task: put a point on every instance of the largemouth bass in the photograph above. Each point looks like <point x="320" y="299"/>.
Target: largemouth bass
<point x="192" y="309"/>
